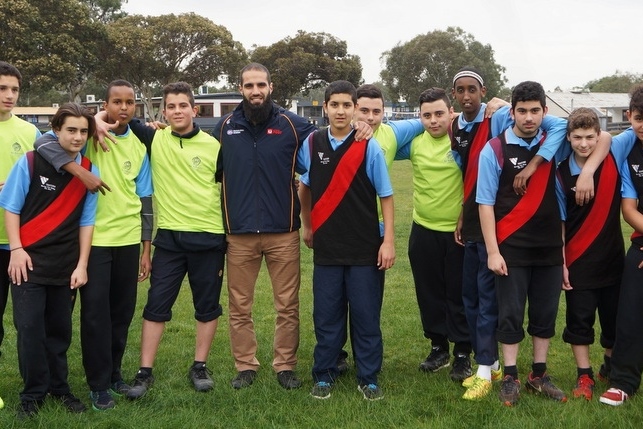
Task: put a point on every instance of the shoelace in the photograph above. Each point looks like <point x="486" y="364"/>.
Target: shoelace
<point x="202" y="372"/>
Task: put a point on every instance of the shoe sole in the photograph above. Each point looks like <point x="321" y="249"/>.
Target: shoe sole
<point x="95" y="408"/>
<point x="423" y="369"/>
<point x="611" y="402"/>
<point x="320" y="397"/>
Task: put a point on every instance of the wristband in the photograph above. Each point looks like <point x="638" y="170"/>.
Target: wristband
<point x="15" y="248"/>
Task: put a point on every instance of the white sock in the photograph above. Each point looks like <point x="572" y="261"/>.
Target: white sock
<point x="484" y="371"/>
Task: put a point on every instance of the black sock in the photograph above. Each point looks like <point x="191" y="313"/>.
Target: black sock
<point x="198" y="363"/>
<point x="144" y="371"/>
<point x="538" y="369"/>
<point x="585" y="371"/>
<point x="512" y="371"/>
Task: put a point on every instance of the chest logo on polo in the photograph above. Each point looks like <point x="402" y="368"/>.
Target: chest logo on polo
<point x="639" y="173"/>
<point x="518" y="165"/>
<point x="46" y="186"/>
<point x="273" y="131"/>
<point x="196" y="161"/>
<point x="231" y="132"/>
<point x="448" y="158"/>
<point x="323" y="160"/>
<point x="127" y="167"/>
<point x="16" y="148"/>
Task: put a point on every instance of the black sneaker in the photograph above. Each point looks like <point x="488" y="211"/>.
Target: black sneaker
<point x="200" y="376"/>
<point x="545" y="386"/>
<point x="101" y="400"/>
<point x="119" y="388"/>
<point x="288" y="380"/>
<point x="28" y="409"/>
<point x="70" y="402"/>
<point x="436" y="360"/>
<point x="461" y="367"/>
<point x="244" y="379"/>
<point x="142" y="382"/>
<point x="509" y="391"/>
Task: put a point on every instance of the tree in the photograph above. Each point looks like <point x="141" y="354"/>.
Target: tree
<point x="106" y="10"/>
<point x="618" y="82"/>
<point x="154" y="51"/>
<point x="51" y="53"/>
<point x="432" y="59"/>
<point x="305" y="62"/>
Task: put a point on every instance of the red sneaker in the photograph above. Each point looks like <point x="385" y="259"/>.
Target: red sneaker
<point x="614" y="397"/>
<point x="584" y="387"/>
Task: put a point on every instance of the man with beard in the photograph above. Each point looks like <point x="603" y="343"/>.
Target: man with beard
<point x="256" y="166"/>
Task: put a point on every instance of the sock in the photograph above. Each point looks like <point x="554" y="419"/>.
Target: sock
<point x="608" y="362"/>
<point x="538" y="369"/>
<point x="512" y="370"/>
<point x="144" y="371"/>
<point x="484" y="371"/>
<point x="585" y="371"/>
<point x="495" y="366"/>
<point x="198" y="363"/>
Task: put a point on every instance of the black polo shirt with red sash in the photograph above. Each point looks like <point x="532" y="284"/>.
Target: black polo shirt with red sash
<point x="594" y="248"/>
<point x="528" y="227"/>
<point x="469" y="144"/>
<point x="50" y="220"/>
<point x="344" y="203"/>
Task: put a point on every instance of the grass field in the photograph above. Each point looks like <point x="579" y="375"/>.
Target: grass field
<point x="413" y="399"/>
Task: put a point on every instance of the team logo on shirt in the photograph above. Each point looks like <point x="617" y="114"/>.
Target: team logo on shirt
<point x="196" y="161"/>
<point x="639" y="173"/>
<point x="518" y="165"/>
<point x="16" y="148"/>
<point x="324" y="160"/>
<point x="231" y="132"/>
<point x="46" y="186"/>
<point x="127" y="167"/>
<point x="273" y="131"/>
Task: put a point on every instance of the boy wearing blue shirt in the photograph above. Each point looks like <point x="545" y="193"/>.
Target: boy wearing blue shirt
<point x="343" y="178"/>
<point x="49" y="219"/>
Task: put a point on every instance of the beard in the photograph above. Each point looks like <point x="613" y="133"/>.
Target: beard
<point x="257" y="114"/>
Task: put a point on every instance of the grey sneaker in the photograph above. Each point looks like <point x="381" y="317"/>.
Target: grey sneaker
<point x="509" y="391"/>
<point x="101" y="400"/>
<point x="321" y="390"/>
<point x="142" y="382"/>
<point x="371" y="392"/>
<point x="288" y="380"/>
<point x="244" y="379"/>
<point x="436" y="360"/>
<point x="200" y="377"/>
<point x="119" y="388"/>
<point x="545" y="386"/>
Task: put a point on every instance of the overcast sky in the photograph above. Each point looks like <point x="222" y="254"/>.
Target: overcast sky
<point x="562" y="43"/>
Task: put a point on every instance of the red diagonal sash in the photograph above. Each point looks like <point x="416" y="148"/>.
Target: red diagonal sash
<point x="339" y="184"/>
<point x="528" y="204"/>
<point x="62" y="207"/>
<point x="471" y="173"/>
<point x="597" y="216"/>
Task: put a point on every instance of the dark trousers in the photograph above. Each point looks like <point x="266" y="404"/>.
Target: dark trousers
<point x="42" y="316"/>
<point x="436" y="262"/>
<point x="582" y="305"/>
<point x="107" y="305"/>
<point x="627" y="355"/>
<point x="338" y="289"/>
<point x="5" y="256"/>
<point x="480" y="304"/>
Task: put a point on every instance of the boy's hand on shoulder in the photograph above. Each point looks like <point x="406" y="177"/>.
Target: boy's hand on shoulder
<point x="497" y="264"/>
<point x="386" y="256"/>
<point x="78" y="278"/>
<point x="363" y="131"/>
<point x="19" y="266"/>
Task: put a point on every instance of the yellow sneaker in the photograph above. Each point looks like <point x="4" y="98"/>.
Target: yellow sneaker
<point x="478" y="390"/>
<point x="496" y="375"/>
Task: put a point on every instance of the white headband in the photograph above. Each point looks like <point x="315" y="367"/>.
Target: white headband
<point x="468" y="73"/>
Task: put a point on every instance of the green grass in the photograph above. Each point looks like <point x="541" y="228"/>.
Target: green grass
<point x="413" y="399"/>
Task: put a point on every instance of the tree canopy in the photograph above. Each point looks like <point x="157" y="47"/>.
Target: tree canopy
<point x="305" y="62"/>
<point x="152" y="51"/>
<point x="432" y="59"/>
<point x="618" y="82"/>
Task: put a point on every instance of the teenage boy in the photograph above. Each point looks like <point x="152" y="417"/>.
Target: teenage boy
<point x="436" y="259"/>
<point x="16" y="138"/>
<point x="189" y="239"/>
<point x="49" y="223"/>
<point x="523" y="240"/>
<point x="470" y="132"/>
<point x="627" y="354"/>
<point x="123" y="220"/>
<point x="339" y="189"/>
<point x="594" y="248"/>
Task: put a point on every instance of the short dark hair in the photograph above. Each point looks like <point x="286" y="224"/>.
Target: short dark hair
<point x="254" y="66"/>
<point x="340" y="87"/>
<point x="434" y="94"/>
<point x="118" y="82"/>
<point x="584" y="118"/>
<point x="636" y="99"/>
<point x="7" y="69"/>
<point x="76" y="110"/>
<point x="178" y="88"/>
<point x="528" y="91"/>
<point x="369" y="91"/>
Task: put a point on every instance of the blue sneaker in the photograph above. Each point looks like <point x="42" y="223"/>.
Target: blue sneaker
<point x="321" y="390"/>
<point x="371" y="392"/>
